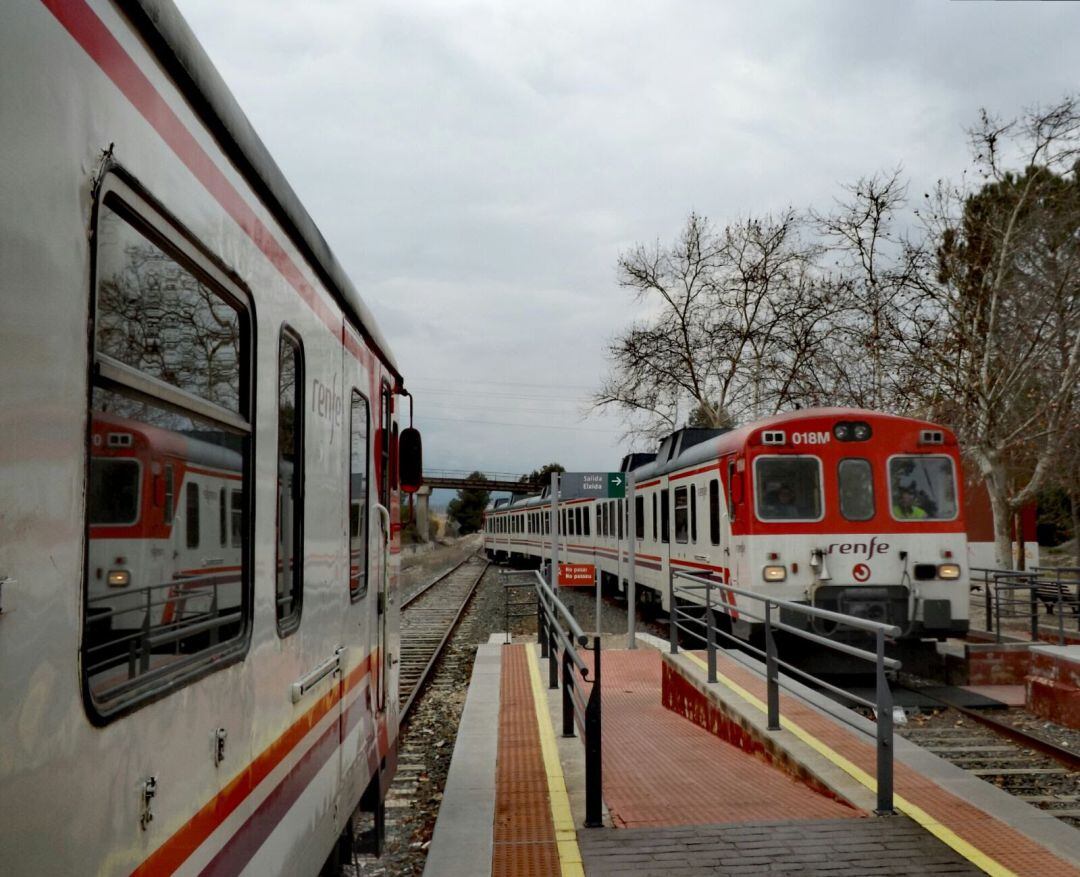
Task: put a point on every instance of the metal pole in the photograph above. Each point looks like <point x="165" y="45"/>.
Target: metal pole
<point x="997" y="609"/>
<point x="710" y="635"/>
<point x="988" y="601"/>
<point x="673" y="631"/>
<point x="567" y="696"/>
<point x="1033" y="599"/>
<point x="594" y="762"/>
<point x="541" y="625"/>
<point x="884" y="734"/>
<point x="772" y="672"/>
<point x="554" y="518"/>
<point x="1061" y="612"/>
<point x="596" y="584"/>
<point x="631" y="559"/>
<point x="553" y="654"/>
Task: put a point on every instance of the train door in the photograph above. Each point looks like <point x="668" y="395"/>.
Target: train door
<point x="386" y="537"/>
<point x="733" y="535"/>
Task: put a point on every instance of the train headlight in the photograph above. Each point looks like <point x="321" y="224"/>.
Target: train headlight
<point x="948" y="571"/>
<point x="860" y="431"/>
<point x="119" y="578"/>
<point x="774" y="573"/>
<point x="842" y="431"/>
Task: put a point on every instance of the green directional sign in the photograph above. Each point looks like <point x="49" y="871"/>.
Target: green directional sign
<point x="603" y="485"/>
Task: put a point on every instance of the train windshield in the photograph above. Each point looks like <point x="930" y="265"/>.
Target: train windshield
<point x="113" y="498"/>
<point x="788" y="488"/>
<point x="922" y="487"/>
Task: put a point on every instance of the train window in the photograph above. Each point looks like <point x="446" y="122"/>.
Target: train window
<point x="191" y="522"/>
<point x="682" y="514"/>
<point x="922" y="486"/>
<point x="693" y="513"/>
<point x="587" y="514"/>
<point x="714" y="511"/>
<point x="788" y="488"/>
<point x="169" y="425"/>
<point x="620" y="505"/>
<point x="113" y="494"/>
<point x="731" y="476"/>
<point x="639" y="517"/>
<point x="359" y="456"/>
<point x="236" y="512"/>
<point x="856" y="483"/>
<point x="654" y="517"/>
<point x="384" y="445"/>
<point x="223" y="518"/>
<point x="665" y="515"/>
<point x="290" y="483"/>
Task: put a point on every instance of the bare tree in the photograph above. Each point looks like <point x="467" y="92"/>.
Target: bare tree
<point x="738" y="319"/>
<point x="997" y="330"/>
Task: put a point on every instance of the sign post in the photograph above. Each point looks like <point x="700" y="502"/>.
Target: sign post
<point x="631" y="586"/>
<point x="554" y="521"/>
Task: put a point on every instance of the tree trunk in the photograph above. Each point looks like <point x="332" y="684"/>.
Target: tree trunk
<point x="994" y="475"/>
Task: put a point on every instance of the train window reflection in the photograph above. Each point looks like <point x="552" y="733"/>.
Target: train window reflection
<point x="856" y="483"/>
<point x="164" y="599"/>
<point x="113" y="495"/>
<point x="290" y="488"/>
<point x="922" y="487"/>
<point x="788" y="488"/>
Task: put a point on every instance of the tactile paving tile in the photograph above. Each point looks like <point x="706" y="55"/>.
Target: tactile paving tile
<point x="662" y="770"/>
<point x="993" y="837"/>
<point x="523" y="833"/>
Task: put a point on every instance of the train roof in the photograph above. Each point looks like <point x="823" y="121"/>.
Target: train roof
<point x="171" y="40"/>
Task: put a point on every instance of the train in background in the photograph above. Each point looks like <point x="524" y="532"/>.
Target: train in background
<point x="849" y="510"/>
<point x="201" y="464"/>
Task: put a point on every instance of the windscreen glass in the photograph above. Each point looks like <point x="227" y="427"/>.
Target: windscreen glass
<point x="922" y="487"/>
<point x="788" y="488"/>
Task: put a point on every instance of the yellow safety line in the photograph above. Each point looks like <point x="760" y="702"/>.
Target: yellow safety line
<point x="970" y="852"/>
<point x="565" y="833"/>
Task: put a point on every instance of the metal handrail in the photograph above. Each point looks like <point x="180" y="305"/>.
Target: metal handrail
<point x="561" y="639"/>
<point x="691" y="587"/>
<point x="1054" y="587"/>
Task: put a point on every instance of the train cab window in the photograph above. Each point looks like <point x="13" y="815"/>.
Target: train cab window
<point x="714" y="511"/>
<point x="855" y="480"/>
<point x="169" y="425"/>
<point x="191" y="519"/>
<point x="665" y="516"/>
<point x="290" y="484"/>
<point x="682" y="515"/>
<point x="788" y="488"/>
<point x="639" y="517"/>
<point x="922" y="486"/>
<point x="359" y="479"/>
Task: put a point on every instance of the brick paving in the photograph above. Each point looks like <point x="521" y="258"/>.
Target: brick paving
<point x="824" y="848"/>
<point x="1007" y="846"/>
<point x="660" y="769"/>
<point x="523" y="834"/>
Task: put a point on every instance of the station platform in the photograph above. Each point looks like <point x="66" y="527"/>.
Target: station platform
<point x="694" y="784"/>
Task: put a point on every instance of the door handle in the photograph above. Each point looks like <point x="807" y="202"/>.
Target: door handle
<point x="303" y="685"/>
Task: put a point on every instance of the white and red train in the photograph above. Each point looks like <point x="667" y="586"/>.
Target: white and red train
<point x="849" y="510"/>
<point x="198" y="465"/>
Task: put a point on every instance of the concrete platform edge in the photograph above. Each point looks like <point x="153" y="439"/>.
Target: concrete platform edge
<point x="463" y="835"/>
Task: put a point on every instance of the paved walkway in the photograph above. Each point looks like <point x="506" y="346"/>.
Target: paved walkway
<point x="831" y="848"/>
<point x="660" y="769"/>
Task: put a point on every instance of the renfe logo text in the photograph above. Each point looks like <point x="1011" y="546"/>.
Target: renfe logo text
<point x="868" y="549"/>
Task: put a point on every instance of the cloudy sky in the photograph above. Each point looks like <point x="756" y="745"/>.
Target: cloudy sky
<point x="478" y="166"/>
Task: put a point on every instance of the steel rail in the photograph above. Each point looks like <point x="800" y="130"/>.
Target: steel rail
<point x="1059" y="753"/>
<point x="425" y="674"/>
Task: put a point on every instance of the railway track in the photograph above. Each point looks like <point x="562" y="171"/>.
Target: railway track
<point x="1028" y="767"/>
<point x="428" y="617"/>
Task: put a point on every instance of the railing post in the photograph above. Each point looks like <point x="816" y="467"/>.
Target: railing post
<point x="1060" y="611"/>
<point x="144" y="656"/>
<point x="553" y="655"/>
<point x="1033" y="598"/>
<point x="710" y="634"/>
<point x="594" y="762"/>
<point x="988" y="601"/>
<point x="567" y="695"/>
<point x="541" y="625"/>
<point x="884" y="734"/>
<point x="997" y="610"/>
<point x="771" y="671"/>
<point x="673" y="630"/>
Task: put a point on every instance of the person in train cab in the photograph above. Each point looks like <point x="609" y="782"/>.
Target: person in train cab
<point x="905" y="507"/>
<point x="783" y="504"/>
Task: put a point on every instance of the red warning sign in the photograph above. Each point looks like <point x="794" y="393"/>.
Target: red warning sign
<point x="577" y="575"/>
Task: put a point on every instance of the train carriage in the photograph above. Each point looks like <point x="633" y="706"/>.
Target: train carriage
<point x="850" y="510"/>
<point x="198" y="452"/>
